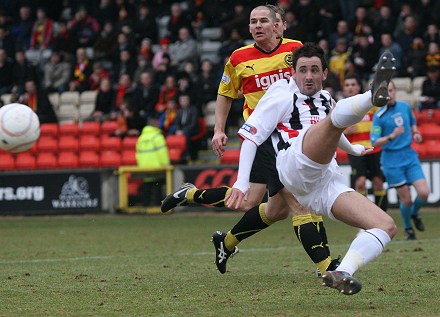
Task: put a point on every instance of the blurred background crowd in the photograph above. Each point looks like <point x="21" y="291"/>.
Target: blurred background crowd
<point x="164" y="59"/>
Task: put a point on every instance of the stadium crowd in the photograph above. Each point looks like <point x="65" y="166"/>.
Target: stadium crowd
<point x="144" y="58"/>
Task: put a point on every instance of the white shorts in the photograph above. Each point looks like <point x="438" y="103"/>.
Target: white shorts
<point x="316" y="186"/>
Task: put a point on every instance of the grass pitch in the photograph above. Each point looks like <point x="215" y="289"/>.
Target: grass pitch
<point x="164" y="266"/>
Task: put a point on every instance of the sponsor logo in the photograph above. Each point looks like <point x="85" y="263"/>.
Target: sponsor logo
<point x="248" y="128"/>
<point x="75" y="194"/>
<point x="251" y="67"/>
<point x="264" y="82"/>
<point x="226" y="79"/>
<point x="35" y="193"/>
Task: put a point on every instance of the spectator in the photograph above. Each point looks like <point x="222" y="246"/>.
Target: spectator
<point x="6" y="42"/>
<point x="6" y="68"/>
<point x="105" y="44"/>
<point x="21" y="30"/>
<point x="239" y="21"/>
<point x="104" y="103"/>
<point x="167" y="91"/>
<point x="145" y="24"/>
<point x="167" y="118"/>
<point x="165" y="69"/>
<point x="145" y="49"/>
<point x="142" y="66"/>
<point x="431" y="34"/>
<point x="125" y="20"/>
<point x="430" y="97"/>
<point x="329" y="15"/>
<point x="360" y="19"/>
<point x="37" y="99"/>
<point x="145" y="95"/>
<point x="161" y="53"/>
<point x="294" y="30"/>
<point x="338" y="57"/>
<point x="207" y="84"/>
<point x="433" y="55"/>
<point x="348" y="8"/>
<point x="84" y="29"/>
<point x="364" y="56"/>
<point x="234" y="42"/>
<point x="97" y="75"/>
<point x="22" y="71"/>
<point x="408" y="33"/>
<point x="42" y="31"/>
<point x="123" y="45"/>
<point x="414" y="62"/>
<point x="105" y="11"/>
<point x="385" y="22"/>
<point x="130" y="123"/>
<point x="184" y="50"/>
<point x="308" y="16"/>
<point x="81" y="72"/>
<point x="387" y="43"/>
<point x="63" y="41"/>
<point x="56" y="73"/>
<point x="125" y="65"/>
<point x="187" y="124"/>
<point x="178" y="20"/>
<point x="342" y="31"/>
<point x="123" y="90"/>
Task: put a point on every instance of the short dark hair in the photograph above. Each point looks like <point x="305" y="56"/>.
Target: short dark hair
<point x="279" y="10"/>
<point x="355" y="77"/>
<point x="309" y="49"/>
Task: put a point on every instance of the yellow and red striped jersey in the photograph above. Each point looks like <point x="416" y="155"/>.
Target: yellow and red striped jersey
<point x="363" y="128"/>
<point x="251" y="71"/>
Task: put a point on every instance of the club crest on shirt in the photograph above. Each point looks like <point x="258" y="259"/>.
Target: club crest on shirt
<point x="250" y="129"/>
<point x="225" y="79"/>
<point x="288" y="59"/>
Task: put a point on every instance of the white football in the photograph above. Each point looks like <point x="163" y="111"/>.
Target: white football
<point x="19" y="127"/>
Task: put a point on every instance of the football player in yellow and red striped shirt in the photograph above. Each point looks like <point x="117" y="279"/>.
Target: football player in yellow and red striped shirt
<point x="250" y="71"/>
<point x="368" y="166"/>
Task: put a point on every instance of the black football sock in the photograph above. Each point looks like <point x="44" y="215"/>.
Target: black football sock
<point x="211" y="196"/>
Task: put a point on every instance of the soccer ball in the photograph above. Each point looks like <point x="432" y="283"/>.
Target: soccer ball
<point x="19" y="127"/>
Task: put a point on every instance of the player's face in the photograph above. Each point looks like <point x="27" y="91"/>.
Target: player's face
<point x="262" y="26"/>
<point x="309" y="75"/>
<point x="391" y="93"/>
<point x="351" y="87"/>
<point x="281" y="26"/>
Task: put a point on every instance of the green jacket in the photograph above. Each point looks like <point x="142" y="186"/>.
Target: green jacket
<point x="151" y="148"/>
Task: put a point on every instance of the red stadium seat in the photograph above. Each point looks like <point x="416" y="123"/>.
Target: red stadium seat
<point x="129" y="142"/>
<point x="49" y="129"/>
<point x="110" y="143"/>
<point x="89" y="142"/>
<point x="68" y="160"/>
<point x="25" y="161"/>
<point x="68" y="143"/>
<point x="47" y="144"/>
<point x="230" y="156"/>
<point x="68" y="128"/>
<point x="6" y="161"/>
<point x="175" y="141"/>
<point x="90" y="127"/>
<point x="433" y="148"/>
<point x="89" y="159"/>
<point x="128" y="157"/>
<point x="47" y="160"/>
<point x="110" y="158"/>
<point x="176" y="155"/>
<point x="109" y="126"/>
<point x="421" y="149"/>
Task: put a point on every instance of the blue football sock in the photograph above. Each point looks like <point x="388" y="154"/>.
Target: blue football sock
<point x="405" y="211"/>
<point x="417" y="204"/>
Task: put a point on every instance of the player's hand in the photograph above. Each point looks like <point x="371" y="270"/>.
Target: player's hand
<point x="234" y="198"/>
<point x="398" y="131"/>
<point x="218" y="142"/>
<point x="367" y="150"/>
<point x="418" y="137"/>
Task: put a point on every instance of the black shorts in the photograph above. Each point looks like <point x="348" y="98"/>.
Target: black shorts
<point x="368" y="166"/>
<point x="264" y="170"/>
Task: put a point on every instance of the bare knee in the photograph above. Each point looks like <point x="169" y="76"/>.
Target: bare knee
<point x="388" y="225"/>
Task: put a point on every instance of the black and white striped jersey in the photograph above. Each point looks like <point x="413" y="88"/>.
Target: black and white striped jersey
<point x="282" y="112"/>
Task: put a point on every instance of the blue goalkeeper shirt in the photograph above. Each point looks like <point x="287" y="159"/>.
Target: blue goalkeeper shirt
<point x="397" y="152"/>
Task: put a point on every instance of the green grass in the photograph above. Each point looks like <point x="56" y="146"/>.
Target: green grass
<point x="164" y="266"/>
